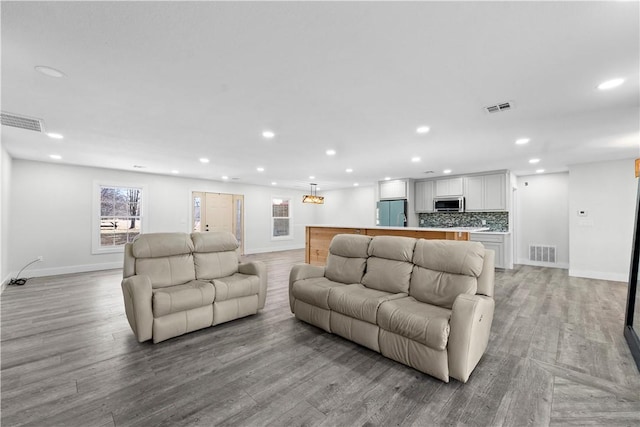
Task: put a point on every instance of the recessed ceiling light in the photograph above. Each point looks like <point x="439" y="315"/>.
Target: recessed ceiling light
<point x="260" y="169"/>
<point x="415" y="159"/>
<point x="331" y="152"/>
<point x="204" y="160"/>
<point x="268" y="134"/>
<point x="387" y="178"/>
<point x="348" y="170"/>
<point x="422" y="129"/>
<point x="610" y="84"/>
<point x="225" y="177"/>
<point x="54" y="135"/>
<point x="312" y="177"/>
<point x="446" y="171"/>
<point x="274" y="183"/>
<point x="539" y="170"/>
<point x="55" y="156"/>
<point x="534" y="161"/>
<point x="522" y="141"/>
<point x="48" y="71"/>
<point x="175" y="171"/>
<point x="355" y="184"/>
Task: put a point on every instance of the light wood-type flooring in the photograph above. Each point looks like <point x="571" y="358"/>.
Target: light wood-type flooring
<point x="556" y="356"/>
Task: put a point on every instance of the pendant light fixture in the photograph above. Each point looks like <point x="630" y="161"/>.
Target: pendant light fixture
<point x="313" y="197"/>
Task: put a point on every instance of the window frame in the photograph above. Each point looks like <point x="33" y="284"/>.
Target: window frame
<point x="96" y="247"/>
<point x="289" y="236"/>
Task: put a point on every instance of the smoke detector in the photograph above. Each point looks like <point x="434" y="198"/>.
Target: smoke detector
<point x="22" y="122"/>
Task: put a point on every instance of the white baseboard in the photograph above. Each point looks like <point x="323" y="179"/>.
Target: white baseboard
<point x="70" y="269"/>
<point x="599" y="275"/>
<point x="272" y="249"/>
<point x="563" y="265"/>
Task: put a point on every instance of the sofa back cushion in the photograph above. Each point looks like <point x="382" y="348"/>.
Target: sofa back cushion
<point x="347" y="258"/>
<point x="444" y="269"/>
<point x="215" y="254"/>
<point x="164" y="257"/>
<point x="390" y="263"/>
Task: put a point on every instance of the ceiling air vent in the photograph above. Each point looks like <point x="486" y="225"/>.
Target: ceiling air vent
<point x="22" y="122"/>
<point x="499" y="107"/>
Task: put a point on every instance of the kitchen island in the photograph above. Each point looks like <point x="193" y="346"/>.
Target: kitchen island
<point x="318" y="237"/>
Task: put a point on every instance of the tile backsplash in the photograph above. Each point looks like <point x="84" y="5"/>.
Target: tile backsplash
<point x="496" y="221"/>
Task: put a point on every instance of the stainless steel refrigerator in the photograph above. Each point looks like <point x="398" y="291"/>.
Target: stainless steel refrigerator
<point x="392" y="213"/>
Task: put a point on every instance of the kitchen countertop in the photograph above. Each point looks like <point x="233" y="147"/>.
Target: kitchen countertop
<point x="442" y="229"/>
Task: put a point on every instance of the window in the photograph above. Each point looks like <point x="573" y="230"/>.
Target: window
<point x="119" y="216"/>
<point x="281" y="218"/>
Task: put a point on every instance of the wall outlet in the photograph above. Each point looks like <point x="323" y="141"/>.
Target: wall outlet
<point x="421" y="221"/>
<point x="484" y="222"/>
<point x="40" y="258"/>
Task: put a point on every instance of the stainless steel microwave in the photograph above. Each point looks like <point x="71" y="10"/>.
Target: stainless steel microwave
<point x="448" y="204"/>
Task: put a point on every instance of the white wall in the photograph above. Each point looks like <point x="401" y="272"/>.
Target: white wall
<point x="46" y="198"/>
<point x="348" y="207"/>
<point x="543" y="216"/>
<point x="601" y="242"/>
<point x="5" y="191"/>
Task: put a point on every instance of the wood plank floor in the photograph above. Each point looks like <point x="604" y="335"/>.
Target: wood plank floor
<point x="556" y="356"/>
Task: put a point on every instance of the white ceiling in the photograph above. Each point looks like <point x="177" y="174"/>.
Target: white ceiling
<point x="162" y="84"/>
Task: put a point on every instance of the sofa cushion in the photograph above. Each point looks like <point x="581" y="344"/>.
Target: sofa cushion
<point x="236" y="286"/>
<point x="450" y="256"/>
<point x="167" y="271"/>
<point x="173" y="299"/>
<point x="420" y="322"/>
<point x="439" y="288"/>
<point x="347" y="258"/>
<point x="389" y="265"/>
<point x="156" y="245"/>
<point x="214" y="265"/>
<point x="314" y="291"/>
<point x="214" y="241"/>
<point x="444" y="269"/>
<point x="392" y="247"/>
<point x="358" y="301"/>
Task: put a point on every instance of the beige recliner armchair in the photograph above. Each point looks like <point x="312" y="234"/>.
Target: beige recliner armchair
<point x="174" y="283"/>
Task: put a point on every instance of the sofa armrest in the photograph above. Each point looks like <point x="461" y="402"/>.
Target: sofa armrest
<point x="470" y="325"/>
<point x="300" y="272"/>
<point x="137" y="305"/>
<point x="257" y="268"/>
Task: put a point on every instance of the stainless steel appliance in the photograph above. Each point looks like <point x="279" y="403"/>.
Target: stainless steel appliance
<point x="448" y="204"/>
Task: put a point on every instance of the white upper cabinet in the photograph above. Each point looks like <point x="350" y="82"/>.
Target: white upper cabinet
<point x="486" y="192"/>
<point x="393" y="189"/>
<point x="424" y="196"/>
<point x="449" y="187"/>
<point x="473" y="196"/>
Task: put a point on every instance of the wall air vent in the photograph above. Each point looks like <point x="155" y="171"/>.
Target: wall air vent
<point x="22" y="122"/>
<point x="542" y="253"/>
<point x="504" y="106"/>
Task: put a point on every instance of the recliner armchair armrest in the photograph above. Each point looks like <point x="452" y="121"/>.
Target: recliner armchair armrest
<point x="470" y="325"/>
<point x="137" y="304"/>
<point x="257" y="268"/>
<point x="300" y="272"/>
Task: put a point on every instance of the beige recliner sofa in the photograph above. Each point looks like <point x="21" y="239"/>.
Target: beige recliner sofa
<point x="174" y="283"/>
<point x="425" y="303"/>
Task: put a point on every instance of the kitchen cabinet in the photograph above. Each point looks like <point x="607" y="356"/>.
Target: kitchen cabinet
<point x="449" y="187"/>
<point x="424" y="196"/>
<point x="486" y="192"/>
<point x="396" y="189"/>
<point x="499" y="243"/>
